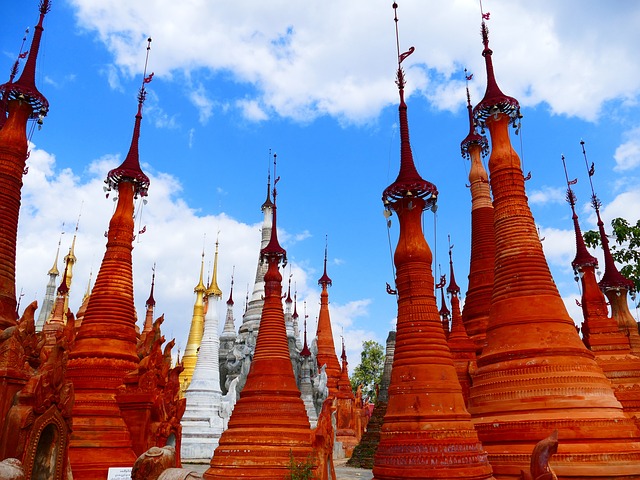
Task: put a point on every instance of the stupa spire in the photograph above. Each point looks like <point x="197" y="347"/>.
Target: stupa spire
<point x="494" y="101"/>
<point x="4" y="94"/>
<point x="23" y="102"/>
<point x="305" y="352"/>
<point x="25" y="88"/>
<point x="70" y="260"/>
<point x="270" y="398"/>
<point x="213" y="289"/>
<point x="545" y="372"/>
<point x="105" y="346"/>
<point x="150" y="304"/>
<point x="324" y="334"/>
<point x="204" y="418"/>
<point x="612" y="279"/>
<point x="583" y="257"/>
<point x="478" y="302"/>
<point x="50" y="292"/>
<point x="426" y="426"/>
<point x="444" y="312"/>
<point x="195" y="331"/>
<point x="253" y="305"/>
<point x="229" y="329"/>
<point x="614" y="285"/>
<point x="462" y="348"/>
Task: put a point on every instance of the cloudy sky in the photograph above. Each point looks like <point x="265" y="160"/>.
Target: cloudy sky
<point x="314" y="82"/>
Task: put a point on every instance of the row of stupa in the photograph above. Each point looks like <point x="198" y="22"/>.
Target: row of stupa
<point x="216" y="366"/>
<point x="77" y="396"/>
<point x="532" y="372"/>
<point x="472" y="398"/>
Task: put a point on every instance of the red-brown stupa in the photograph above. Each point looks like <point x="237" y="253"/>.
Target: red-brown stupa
<point x="600" y="332"/>
<point x="105" y="348"/>
<point x="269" y="424"/>
<point x="534" y="374"/>
<point x="348" y="419"/>
<point x="324" y="336"/>
<point x="614" y="285"/>
<point x="22" y="102"/>
<point x="462" y="347"/>
<point x="427" y="432"/>
<point x="475" y="313"/>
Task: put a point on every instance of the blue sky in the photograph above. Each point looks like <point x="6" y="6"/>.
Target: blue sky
<point x="315" y="83"/>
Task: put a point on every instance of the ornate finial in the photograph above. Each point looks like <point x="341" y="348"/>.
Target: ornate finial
<point x="583" y="257"/>
<point x="12" y="75"/>
<point x="409" y="182"/>
<point x="494" y="100"/>
<point x="324" y="280"/>
<point x="612" y="279"/>
<point x="213" y="288"/>
<point x="233" y="272"/>
<point x="25" y="88"/>
<point x="63" y="289"/>
<point x="200" y="286"/>
<point x="453" y="287"/>
<point x="295" y="301"/>
<point x="273" y="248"/>
<point x="473" y="138"/>
<point x="343" y="357"/>
<point x="305" y="352"/>
<point x="151" y="302"/>
<point x="268" y="202"/>
<point x="130" y="170"/>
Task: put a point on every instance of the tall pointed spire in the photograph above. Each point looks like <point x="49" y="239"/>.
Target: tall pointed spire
<point x="324" y="335"/>
<point x="50" y="292"/>
<point x="70" y="261"/>
<point x="227" y="337"/>
<point x="196" y="331"/>
<point x="270" y="398"/>
<point x="24" y="101"/>
<point x="614" y="285"/>
<point x="204" y="418"/>
<point x="462" y="348"/>
<point x="24" y="89"/>
<point x="253" y="310"/>
<point x="444" y="312"/>
<point x="105" y="347"/>
<point x="534" y="363"/>
<point x="600" y="332"/>
<point x="426" y="428"/>
<point x="475" y="314"/>
<point x="150" y="304"/>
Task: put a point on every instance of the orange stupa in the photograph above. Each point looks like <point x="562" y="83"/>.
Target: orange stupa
<point x="105" y="348"/>
<point x="614" y="285"/>
<point x="534" y="374"/>
<point x="475" y="313"/>
<point x="324" y="336"/>
<point x="22" y="101"/>
<point x="600" y="332"/>
<point x="269" y="423"/>
<point x="462" y="347"/>
<point x="427" y="432"/>
<point x="348" y="422"/>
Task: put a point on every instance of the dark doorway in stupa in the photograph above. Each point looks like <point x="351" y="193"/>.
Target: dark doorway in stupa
<point x="47" y="454"/>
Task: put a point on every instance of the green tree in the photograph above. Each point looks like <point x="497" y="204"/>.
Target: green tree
<point x="625" y="250"/>
<point x="369" y="372"/>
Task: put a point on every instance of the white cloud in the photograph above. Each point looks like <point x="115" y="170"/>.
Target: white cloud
<point x="627" y="155"/>
<point x="546" y="195"/>
<point x="251" y="110"/>
<point x="203" y="103"/>
<point x="113" y="77"/>
<point x="559" y="246"/>
<point x="335" y="58"/>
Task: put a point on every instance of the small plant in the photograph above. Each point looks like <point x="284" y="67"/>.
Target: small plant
<point x="300" y="470"/>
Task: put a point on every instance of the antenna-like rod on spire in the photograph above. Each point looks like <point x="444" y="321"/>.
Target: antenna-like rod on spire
<point x="591" y="170"/>
<point x="142" y="95"/>
<point x="571" y="197"/>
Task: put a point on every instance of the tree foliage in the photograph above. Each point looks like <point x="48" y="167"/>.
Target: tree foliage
<point x="369" y="372"/>
<point x="625" y="250"/>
